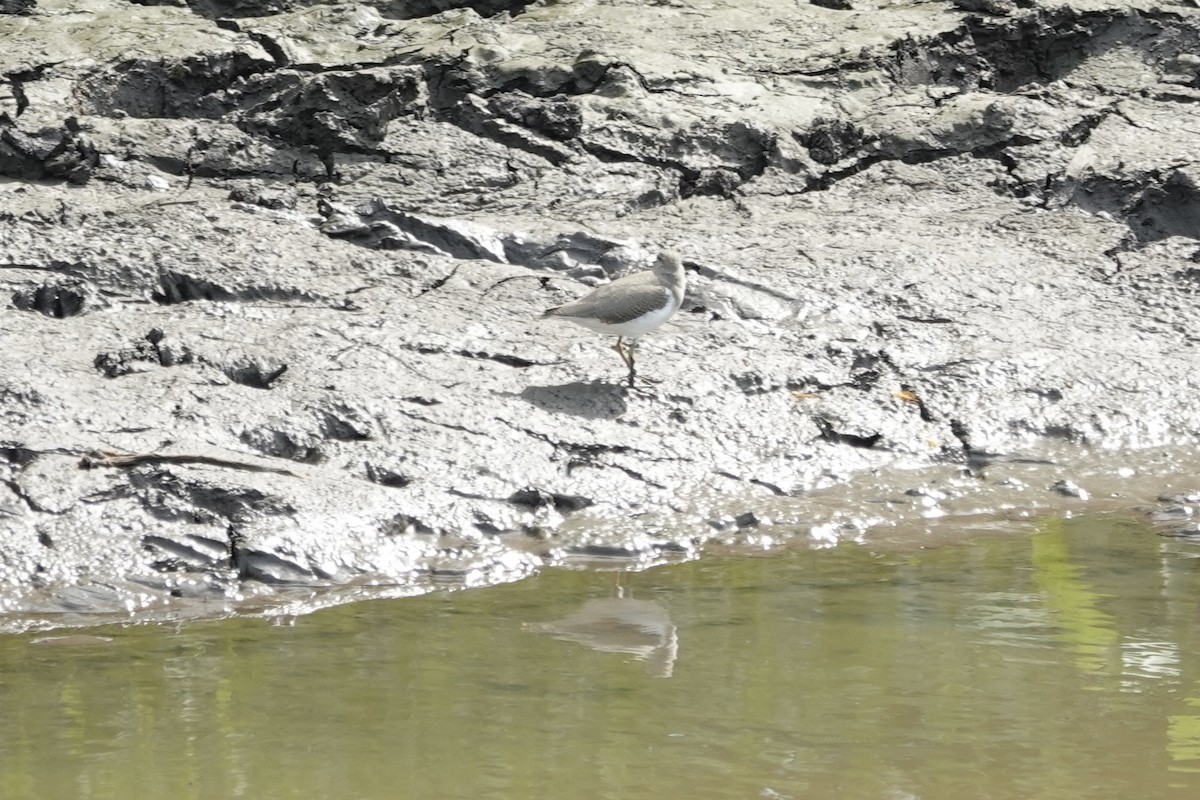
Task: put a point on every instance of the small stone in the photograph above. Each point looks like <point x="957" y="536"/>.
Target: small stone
<point x="1071" y="489"/>
<point x="836" y="5"/>
<point x="1172" y="514"/>
<point x="156" y="183"/>
<point x="1182" y="497"/>
<point x="747" y="520"/>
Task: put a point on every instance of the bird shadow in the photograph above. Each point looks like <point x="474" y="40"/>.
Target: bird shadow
<point x="591" y="400"/>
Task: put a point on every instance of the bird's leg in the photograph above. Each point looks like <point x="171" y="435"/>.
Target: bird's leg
<point x="621" y="351"/>
<point x="626" y="356"/>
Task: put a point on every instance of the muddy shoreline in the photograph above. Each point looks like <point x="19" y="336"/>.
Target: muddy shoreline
<point x="290" y="257"/>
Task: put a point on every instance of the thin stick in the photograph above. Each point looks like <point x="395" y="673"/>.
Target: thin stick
<point x="108" y="458"/>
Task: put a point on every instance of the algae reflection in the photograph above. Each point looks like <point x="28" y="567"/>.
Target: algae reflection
<point x="1074" y="604"/>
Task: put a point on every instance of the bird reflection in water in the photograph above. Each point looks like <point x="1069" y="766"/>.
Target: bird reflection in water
<point x="620" y="624"/>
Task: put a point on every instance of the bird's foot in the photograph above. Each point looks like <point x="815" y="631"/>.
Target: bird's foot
<point x="642" y="384"/>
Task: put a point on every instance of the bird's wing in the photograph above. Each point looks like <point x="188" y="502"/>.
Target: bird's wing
<point x="619" y="301"/>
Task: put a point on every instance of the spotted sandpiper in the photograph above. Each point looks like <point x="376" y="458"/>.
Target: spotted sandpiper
<point x="630" y="306"/>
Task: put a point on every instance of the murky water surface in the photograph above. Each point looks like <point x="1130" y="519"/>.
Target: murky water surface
<point x="1060" y="665"/>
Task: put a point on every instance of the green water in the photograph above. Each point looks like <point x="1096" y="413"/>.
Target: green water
<point x="1064" y="664"/>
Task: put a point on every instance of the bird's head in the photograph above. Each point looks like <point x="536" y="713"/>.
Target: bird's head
<point x="668" y="261"/>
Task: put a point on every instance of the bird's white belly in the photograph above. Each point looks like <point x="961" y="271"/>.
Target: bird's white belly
<point x="634" y="327"/>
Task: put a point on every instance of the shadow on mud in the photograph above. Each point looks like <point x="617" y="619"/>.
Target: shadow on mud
<point x="593" y="400"/>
